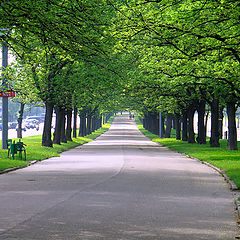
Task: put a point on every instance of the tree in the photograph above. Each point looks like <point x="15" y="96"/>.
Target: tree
<point x="20" y="80"/>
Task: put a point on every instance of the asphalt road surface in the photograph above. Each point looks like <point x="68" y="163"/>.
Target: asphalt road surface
<point x="12" y="133"/>
<point x="121" y="186"/>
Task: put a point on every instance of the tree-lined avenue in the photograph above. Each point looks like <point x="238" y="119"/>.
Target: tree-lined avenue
<point x="120" y="186"/>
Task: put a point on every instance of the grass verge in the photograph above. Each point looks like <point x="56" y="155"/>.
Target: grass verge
<point x="228" y="161"/>
<point x="36" y="152"/>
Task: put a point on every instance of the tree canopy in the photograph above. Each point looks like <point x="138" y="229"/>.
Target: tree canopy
<point x="109" y="55"/>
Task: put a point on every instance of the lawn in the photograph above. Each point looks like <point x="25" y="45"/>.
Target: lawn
<point x="226" y="160"/>
<point x="36" y="152"/>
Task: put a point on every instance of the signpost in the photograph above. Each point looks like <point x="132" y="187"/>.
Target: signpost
<point x="7" y="94"/>
<point x="4" y="99"/>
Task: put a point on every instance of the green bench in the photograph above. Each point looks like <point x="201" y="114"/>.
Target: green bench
<point x="15" y="147"/>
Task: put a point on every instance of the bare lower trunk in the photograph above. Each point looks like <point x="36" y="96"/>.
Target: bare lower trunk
<point x="178" y="126"/>
<point x="146" y="122"/>
<point x="89" y="124"/>
<point x="57" y="133"/>
<point x="214" y="140"/>
<point x="220" y="122"/>
<point x="169" y="125"/>
<point x="205" y="124"/>
<point x="201" y="139"/>
<point x="75" y="122"/>
<point x="63" y="128"/>
<point x="100" y="122"/>
<point x="154" y="121"/>
<point x="69" y="126"/>
<point x="232" y="130"/>
<point x="184" y="126"/>
<point x="20" y="119"/>
<point x="94" y="124"/>
<point x="191" y="136"/>
<point x="82" y="127"/>
<point x="47" y="135"/>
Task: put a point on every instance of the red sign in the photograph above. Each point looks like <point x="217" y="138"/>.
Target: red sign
<point x="7" y="94"/>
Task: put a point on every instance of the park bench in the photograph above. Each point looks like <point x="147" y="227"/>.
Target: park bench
<point x="14" y="148"/>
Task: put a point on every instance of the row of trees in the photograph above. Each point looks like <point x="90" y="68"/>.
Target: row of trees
<point x="63" y="60"/>
<point x="94" y="56"/>
<point x="188" y="55"/>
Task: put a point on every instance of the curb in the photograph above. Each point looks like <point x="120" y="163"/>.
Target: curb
<point x="232" y="185"/>
<point x="35" y="161"/>
<point x="16" y="168"/>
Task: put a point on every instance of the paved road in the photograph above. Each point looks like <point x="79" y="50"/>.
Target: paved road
<point x="12" y="133"/>
<point x="121" y="186"/>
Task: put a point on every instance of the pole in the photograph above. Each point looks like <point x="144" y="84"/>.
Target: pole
<point x="4" y="99"/>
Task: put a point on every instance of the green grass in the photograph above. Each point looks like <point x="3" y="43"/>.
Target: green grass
<point x="228" y="161"/>
<point x="36" y="152"/>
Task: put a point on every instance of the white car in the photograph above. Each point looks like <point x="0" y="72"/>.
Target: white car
<point x="31" y="123"/>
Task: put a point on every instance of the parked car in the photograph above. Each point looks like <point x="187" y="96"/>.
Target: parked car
<point x="0" y="126"/>
<point x="31" y="123"/>
<point x="40" y="119"/>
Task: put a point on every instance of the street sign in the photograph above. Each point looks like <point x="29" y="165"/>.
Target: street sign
<point x="7" y="94"/>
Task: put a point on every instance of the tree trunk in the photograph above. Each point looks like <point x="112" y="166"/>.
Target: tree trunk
<point x="63" y="128"/>
<point x="100" y="122"/>
<point x="19" y="120"/>
<point x="163" y="128"/>
<point x="75" y="122"/>
<point x="220" y="122"/>
<point x="174" y="122"/>
<point x="89" y="124"/>
<point x="201" y="138"/>
<point x="47" y="135"/>
<point x="59" y="120"/>
<point x="150" y="122"/>
<point x="191" y="135"/>
<point x="205" y="124"/>
<point x="156" y="124"/>
<point x="169" y="125"/>
<point x="214" y="140"/>
<point x="153" y="123"/>
<point x="108" y="116"/>
<point x="232" y="130"/>
<point x="82" y="127"/>
<point x="69" y="126"/>
<point x="184" y="126"/>
<point x="145" y="122"/>
<point x="178" y="126"/>
<point x="94" y="124"/>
